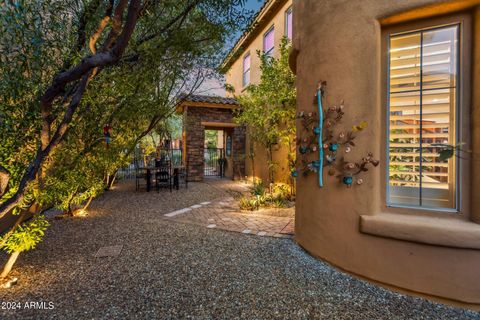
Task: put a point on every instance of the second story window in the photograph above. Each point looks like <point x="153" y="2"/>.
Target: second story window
<point x="246" y="70"/>
<point x="268" y="42"/>
<point x="288" y="23"/>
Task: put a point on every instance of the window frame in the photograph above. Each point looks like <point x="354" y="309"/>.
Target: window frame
<point x="270" y="52"/>
<point x="463" y="100"/>
<point x="247" y="55"/>
<point x="287" y="12"/>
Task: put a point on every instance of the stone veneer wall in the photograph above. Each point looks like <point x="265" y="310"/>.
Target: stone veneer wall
<point x="238" y="152"/>
<point x="195" y="138"/>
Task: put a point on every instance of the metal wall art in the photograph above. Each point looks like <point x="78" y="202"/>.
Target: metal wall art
<point x="329" y="145"/>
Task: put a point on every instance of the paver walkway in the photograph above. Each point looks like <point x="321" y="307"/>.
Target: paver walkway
<point x="225" y="214"/>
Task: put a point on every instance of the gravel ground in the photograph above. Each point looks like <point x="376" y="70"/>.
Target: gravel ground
<point x="172" y="270"/>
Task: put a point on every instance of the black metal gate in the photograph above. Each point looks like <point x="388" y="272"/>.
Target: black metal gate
<point x="213" y="159"/>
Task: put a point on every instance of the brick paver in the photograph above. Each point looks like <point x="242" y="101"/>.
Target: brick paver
<point x="225" y="214"/>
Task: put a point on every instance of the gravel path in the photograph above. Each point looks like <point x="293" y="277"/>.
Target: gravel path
<point x="173" y="270"/>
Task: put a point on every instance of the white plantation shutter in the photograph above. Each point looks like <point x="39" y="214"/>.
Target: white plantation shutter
<point x="422" y="111"/>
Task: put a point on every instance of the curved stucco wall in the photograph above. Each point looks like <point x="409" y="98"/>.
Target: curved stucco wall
<point x="340" y="42"/>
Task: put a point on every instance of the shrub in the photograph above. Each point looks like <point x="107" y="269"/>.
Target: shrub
<point x="27" y="235"/>
<point x="277" y="196"/>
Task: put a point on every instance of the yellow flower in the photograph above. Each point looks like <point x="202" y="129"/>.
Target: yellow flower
<point x="360" y="127"/>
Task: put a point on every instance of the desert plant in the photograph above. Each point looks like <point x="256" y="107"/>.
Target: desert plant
<point x="277" y="196"/>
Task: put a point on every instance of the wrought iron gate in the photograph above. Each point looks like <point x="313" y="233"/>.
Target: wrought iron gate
<point x="213" y="162"/>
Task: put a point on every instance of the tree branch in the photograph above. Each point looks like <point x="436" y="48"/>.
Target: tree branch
<point x="4" y="179"/>
<point x="101" y="26"/>
<point x="180" y="17"/>
<point x="116" y="25"/>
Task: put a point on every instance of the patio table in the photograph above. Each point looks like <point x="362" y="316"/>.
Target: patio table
<point x="151" y="171"/>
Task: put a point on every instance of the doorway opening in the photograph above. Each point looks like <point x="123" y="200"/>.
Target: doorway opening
<point x="214" y="153"/>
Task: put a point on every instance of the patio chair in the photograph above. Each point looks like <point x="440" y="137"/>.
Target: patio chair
<point x="140" y="176"/>
<point x="163" y="176"/>
<point x="182" y="177"/>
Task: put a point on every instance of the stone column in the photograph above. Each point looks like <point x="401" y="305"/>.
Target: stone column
<point x="195" y="137"/>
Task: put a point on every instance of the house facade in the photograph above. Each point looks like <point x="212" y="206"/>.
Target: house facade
<point x="242" y="68"/>
<point x="411" y="70"/>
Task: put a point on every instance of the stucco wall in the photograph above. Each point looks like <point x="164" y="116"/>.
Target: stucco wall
<point x="340" y="42"/>
<point x="234" y="77"/>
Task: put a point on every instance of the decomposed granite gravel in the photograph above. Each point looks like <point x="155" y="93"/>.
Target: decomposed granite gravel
<point x="169" y="270"/>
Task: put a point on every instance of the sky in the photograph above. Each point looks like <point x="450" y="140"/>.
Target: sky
<point x="213" y="86"/>
<point x="254" y="4"/>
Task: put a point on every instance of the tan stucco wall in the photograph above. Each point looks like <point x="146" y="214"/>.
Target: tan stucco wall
<point x="234" y="77"/>
<point x="340" y="42"/>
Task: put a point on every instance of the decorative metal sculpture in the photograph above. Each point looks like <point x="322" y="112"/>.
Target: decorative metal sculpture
<point x="319" y="134"/>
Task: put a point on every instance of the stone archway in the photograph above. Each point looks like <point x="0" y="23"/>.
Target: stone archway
<point x="202" y="113"/>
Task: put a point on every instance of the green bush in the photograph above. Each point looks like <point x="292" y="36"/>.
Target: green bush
<point x="277" y="196"/>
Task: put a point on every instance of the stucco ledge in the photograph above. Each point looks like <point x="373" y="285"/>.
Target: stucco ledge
<point x="448" y="232"/>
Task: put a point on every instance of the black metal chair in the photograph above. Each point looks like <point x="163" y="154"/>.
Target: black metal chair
<point x="163" y="175"/>
<point x="182" y="177"/>
<point x="140" y="176"/>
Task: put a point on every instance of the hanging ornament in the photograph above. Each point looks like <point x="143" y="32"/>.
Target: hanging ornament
<point x="106" y="134"/>
<point x="350" y="166"/>
<point x="333" y="147"/>
<point x="330" y="158"/>
<point x="319" y="137"/>
<point x="348" y="180"/>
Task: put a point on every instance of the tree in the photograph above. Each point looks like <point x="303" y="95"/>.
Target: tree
<point x="269" y="107"/>
<point x="58" y="102"/>
<point x="153" y="26"/>
<point x="69" y="67"/>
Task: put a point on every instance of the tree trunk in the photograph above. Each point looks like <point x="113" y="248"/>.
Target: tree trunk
<point x="4" y="178"/>
<point x="253" y="170"/>
<point x="8" y="266"/>
<point x="88" y="203"/>
<point x="110" y="180"/>
<point x="270" y="165"/>
<point x="69" y="203"/>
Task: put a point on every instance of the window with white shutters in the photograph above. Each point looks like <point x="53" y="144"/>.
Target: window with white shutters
<point x="422" y="112"/>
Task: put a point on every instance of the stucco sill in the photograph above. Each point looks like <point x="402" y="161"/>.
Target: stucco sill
<point x="449" y="232"/>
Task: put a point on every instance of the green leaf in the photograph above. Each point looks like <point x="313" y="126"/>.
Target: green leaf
<point x="446" y="154"/>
